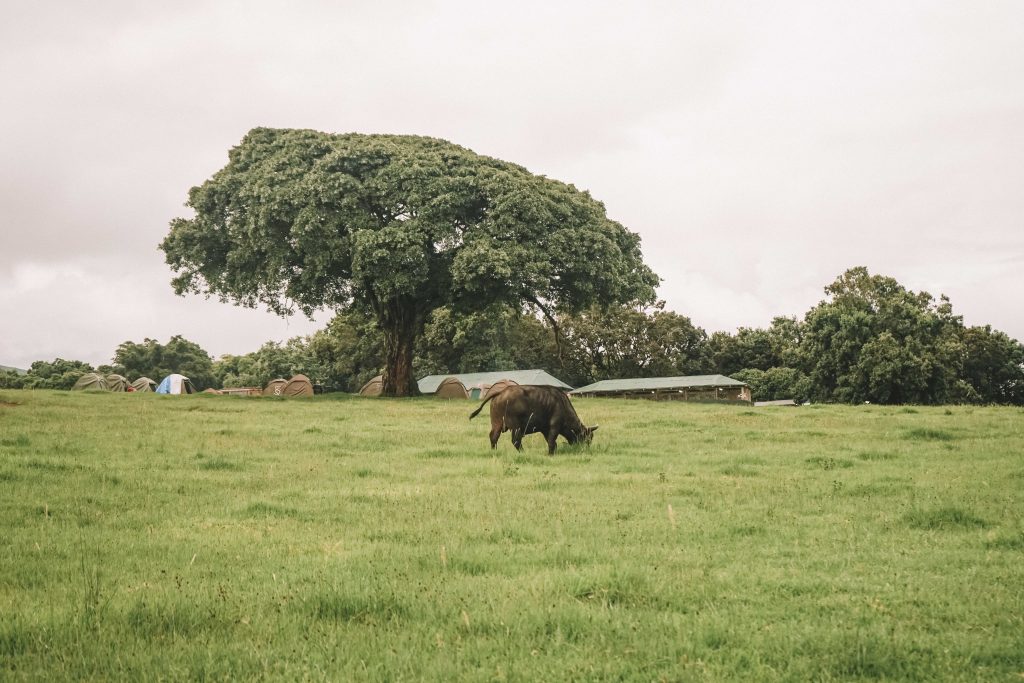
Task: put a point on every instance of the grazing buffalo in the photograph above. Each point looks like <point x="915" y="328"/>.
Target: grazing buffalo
<point x="526" y="409"/>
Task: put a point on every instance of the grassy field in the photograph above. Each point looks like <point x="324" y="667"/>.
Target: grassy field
<point x="207" y="538"/>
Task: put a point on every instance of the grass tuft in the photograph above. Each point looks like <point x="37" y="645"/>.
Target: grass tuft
<point x="217" y="464"/>
<point x="876" y="455"/>
<point x="739" y="471"/>
<point x="1007" y="542"/>
<point x="945" y="518"/>
<point x="261" y="509"/>
<point x="356" y="608"/>
<point x="928" y="434"/>
<point x="173" y="621"/>
<point x="617" y="589"/>
<point x="15" y="639"/>
<point x="828" y="463"/>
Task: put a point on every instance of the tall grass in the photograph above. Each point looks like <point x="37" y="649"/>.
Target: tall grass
<point x="205" y="537"/>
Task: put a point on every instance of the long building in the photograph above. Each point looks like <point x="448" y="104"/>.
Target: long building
<point x="687" y="388"/>
<point x="476" y="384"/>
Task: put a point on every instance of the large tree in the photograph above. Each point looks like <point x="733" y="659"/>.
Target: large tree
<point x="874" y="340"/>
<point x="398" y="226"/>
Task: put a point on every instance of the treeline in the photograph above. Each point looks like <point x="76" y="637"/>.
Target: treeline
<point x="870" y="339"/>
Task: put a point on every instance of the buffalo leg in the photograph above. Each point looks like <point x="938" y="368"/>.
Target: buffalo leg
<point x="495" y="435"/>
<point x="552" y="437"/>
<point x="517" y="438"/>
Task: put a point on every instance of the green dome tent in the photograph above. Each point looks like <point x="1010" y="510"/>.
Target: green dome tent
<point x="90" y="381"/>
<point x="144" y="384"/>
<point x="117" y="382"/>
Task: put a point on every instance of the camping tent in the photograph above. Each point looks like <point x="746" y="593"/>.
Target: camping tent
<point x="274" y="387"/>
<point x="451" y="387"/>
<point x="144" y="384"/>
<point x="91" y="381"/>
<point x="176" y="384"/>
<point x="299" y="385"/>
<point x="117" y="383"/>
<point x="375" y="387"/>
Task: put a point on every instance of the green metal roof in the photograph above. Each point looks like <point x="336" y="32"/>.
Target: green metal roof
<point x="655" y="383"/>
<point x="429" y="384"/>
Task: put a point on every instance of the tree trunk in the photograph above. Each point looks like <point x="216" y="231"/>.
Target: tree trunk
<point x="400" y="326"/>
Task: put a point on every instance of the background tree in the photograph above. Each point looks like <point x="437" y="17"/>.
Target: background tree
<point x="631" y="341"/>
<point x="993" y="366"/>
<point x="155" y="360"/>
<point x="272" y="360"/>
<point x="874" y="340"/>
<point x="12" y="379"/>
<point x="55" y="374"/>
<point x="499" y="337"/>
<point x="749" y="348"/>
<point x="756" y="348"/>
<point x="776" y="384"/>
<point x="397" y="226"/>
<point x="349" y="351"/>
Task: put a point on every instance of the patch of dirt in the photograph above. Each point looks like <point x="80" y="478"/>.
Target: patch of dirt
<point x="8" y="404"/>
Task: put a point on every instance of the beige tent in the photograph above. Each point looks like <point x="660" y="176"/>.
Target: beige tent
<point x="275" y="387"/>
<point x="91" y="381"/>
<point x="299" y="385"/>
<point x="451" y="388"/>
<point x="117" y="383"/>
<point x="144" y="384"/>
<point x="375" y="387"/>
<point x="498" y="387"/>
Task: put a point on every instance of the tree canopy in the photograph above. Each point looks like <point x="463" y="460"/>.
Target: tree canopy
<point x="155" y="360"/>
<point x="874" y="340"/>
<point x="631" y="341"/>
<point x="398" y="226"/>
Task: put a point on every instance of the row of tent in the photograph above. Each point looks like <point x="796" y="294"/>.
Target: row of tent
<point x="171" y="384"/>
<point x="299" y="385"/>
<point x="94" y="381"/>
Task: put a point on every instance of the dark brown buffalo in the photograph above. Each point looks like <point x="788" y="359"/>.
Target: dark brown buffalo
<point x="526" y="409"/>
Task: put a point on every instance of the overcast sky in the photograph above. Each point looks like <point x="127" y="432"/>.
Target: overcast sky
<point x="759" y="149"/>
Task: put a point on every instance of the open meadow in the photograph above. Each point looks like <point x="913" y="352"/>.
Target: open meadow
<point x="214" y="537"/>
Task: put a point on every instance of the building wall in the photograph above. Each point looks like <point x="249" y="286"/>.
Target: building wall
<point x="723" y="394"/>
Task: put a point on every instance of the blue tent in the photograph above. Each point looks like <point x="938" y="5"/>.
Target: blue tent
<point x="175" y="384"/>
